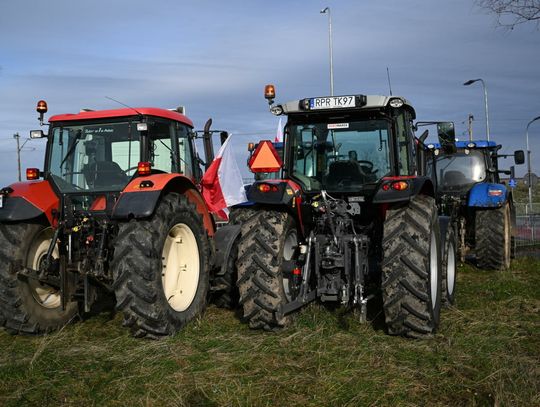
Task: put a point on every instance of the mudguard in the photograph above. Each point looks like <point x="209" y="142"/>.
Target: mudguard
<point x="141" y="196"/>
<point x="224" y="241"/>
<point x="486" y="195"/>
<point x="417" y="185"/>
<point x="29" y="200"/>
<point x="280" y="192"/>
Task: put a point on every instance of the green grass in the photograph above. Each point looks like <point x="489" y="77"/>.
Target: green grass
<point x="486" y="352"/>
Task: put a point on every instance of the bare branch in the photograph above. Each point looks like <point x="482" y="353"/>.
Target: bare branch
<point x="510" y="13"/>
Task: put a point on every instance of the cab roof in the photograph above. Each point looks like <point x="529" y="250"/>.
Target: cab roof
<point x="127" y="112"/>
<point x="468" y="144"/>
<point x="371" y="102"/>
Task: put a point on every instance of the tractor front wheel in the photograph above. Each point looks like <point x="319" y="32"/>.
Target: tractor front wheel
<point x="26" y="305"/>
<point x="161" y="268"/>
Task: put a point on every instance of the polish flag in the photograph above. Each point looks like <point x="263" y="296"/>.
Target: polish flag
<point x="222" y="184"/>
<point x="279" y="133"/>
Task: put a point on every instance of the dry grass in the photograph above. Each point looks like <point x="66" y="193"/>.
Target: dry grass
<point x="486" y="353"/>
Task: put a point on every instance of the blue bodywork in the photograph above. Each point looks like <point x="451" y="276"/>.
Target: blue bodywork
<point x="486" y="195"/>
<point x="481" y="195"/>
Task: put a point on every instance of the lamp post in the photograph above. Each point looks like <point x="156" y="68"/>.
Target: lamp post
<point x="19" y="148"/>
<point x="326" y="10"/>
<point x="470" y="82"/>
<point x="529" y="161"/>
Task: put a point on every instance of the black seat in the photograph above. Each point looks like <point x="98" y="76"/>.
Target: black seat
<point x="454" y="178"/>
<point x="101" y="174"/>
<point x="344" y="173"/>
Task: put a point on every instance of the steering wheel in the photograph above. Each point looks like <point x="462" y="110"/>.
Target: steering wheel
<point x="367" y="164"/>
<point x="129" y="169"/>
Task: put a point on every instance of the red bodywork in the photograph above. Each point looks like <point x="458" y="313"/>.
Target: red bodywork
<point x="101" y="114"/>
<point x="177" y="183"/>
<point x="40" y="194"/>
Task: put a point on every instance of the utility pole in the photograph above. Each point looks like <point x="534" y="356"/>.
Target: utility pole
<point x="470" y="119"/>
<point x="326" y="10"/>
<point x="16" y="137"/>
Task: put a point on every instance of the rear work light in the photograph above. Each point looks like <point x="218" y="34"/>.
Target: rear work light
<point x="144" y="168"/>
<point x="495" y="192"/>
<point x="400" y="185"/>
<point x="32" y="174"/>
<point x="267" y="188"/>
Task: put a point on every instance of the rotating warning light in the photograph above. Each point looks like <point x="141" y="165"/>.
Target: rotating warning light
<point x="265" y="158"/>
<point x="144" y="168"/>
<point x="269" y="92"/>
<point x="32" y="174"/>
<point x="41" y="107"/>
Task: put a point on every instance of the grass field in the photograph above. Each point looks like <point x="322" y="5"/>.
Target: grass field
<point x="487" y="352"/>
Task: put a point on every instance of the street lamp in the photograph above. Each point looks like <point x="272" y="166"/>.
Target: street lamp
<point x="19" y="148"/>
<point x="326" y="10"/>
<point x="529" y="161"/>
<point x="470" y="82"/>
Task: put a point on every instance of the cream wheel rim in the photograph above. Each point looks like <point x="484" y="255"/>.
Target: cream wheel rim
<point x="45" y="295"/>
<point x="180" y="267"/>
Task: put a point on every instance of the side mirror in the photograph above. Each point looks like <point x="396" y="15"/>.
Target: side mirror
<point x="519" y="157"/>
<point x="447" y="135"/>
<point x="37" y="134"/>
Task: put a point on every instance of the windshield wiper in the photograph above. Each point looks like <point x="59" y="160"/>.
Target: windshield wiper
<point x="71" y="147"/>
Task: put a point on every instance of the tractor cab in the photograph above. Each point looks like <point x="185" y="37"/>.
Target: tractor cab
<point x="468" y="164"/>
<point x="96" y="153"/>
<point x="347" y="145"/>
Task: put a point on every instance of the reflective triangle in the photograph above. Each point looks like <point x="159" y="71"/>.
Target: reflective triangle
<point x="265" y="158"/>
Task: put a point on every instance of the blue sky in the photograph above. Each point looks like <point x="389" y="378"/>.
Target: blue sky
<point x="215" y="57"/>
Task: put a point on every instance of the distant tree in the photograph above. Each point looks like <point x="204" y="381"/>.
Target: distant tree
<point x="513" y="12"/>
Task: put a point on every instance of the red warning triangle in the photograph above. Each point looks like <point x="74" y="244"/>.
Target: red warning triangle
<point x="265" y="158"/>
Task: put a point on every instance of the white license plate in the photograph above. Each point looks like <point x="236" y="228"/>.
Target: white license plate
<point x="332" y="102"/>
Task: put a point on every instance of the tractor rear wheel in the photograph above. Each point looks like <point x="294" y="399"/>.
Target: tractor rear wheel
<point x="28" y="306"/>
<point x="227" y="294"/>
<point x="269" y="238"/>
<point x="448" y="281"/>
<point x="161" y="267"/>
<point x="493" y="238"/>
<point x="411" y="274"/>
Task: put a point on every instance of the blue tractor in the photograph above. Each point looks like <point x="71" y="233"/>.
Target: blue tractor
<point x="469" y="186"/>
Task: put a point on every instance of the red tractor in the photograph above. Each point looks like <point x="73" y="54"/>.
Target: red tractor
<point x="116" y="209"/>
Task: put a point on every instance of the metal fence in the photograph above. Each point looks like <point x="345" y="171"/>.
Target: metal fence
<point x="528" y="230"/>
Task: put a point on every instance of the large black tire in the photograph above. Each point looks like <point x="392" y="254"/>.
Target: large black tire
<point x="411" y="286"/>
<point x="27" y="306"/>
<point x="449" y="267"/>
<point x="261" y="252"/>
<point x="493" y="238"/>
<point x="226" y="296"/>
<point x="160" y="286"/>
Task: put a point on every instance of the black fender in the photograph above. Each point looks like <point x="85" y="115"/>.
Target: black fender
<point x="417" y="186"/>
<point x="17" y="208"/>
<point x="141" y="196"/>
<point x="444" y="224"/>
<point x="29" y="200"/>
<point x="224" y="240"/>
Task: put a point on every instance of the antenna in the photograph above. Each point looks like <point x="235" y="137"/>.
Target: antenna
<point x="389" y="83"/>
<point x="123" y="104"/>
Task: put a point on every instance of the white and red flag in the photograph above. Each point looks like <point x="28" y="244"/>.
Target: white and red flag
<point x="279" y="133"/>
<point x="222" y="184"/>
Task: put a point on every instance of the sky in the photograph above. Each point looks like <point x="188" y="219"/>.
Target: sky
<point x="214" y="58"/>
